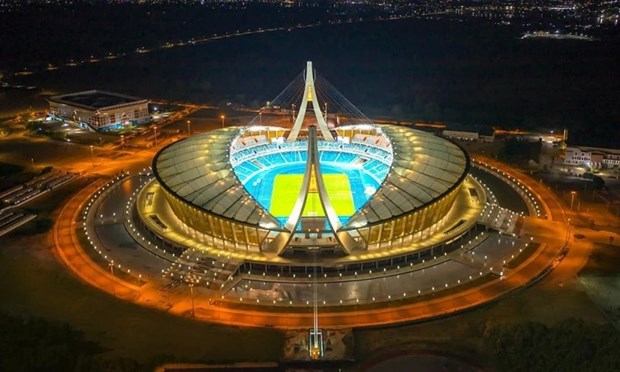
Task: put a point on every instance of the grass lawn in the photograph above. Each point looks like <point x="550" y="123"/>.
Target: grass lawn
<point x="30" y="287"/>
<point x="34" y="284"/>
<point x="12" y="175"/>
<point x="286" y="188"/>
<point x="9" y="169"/>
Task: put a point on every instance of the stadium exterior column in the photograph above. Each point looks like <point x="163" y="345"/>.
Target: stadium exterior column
<point x="312" y="164"/>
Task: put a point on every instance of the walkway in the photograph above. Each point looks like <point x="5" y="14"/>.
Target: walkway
<point x="179" y="302"/>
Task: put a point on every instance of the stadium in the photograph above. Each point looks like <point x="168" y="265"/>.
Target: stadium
<point x="243" y="200"/>
<point x="301" y="196"/>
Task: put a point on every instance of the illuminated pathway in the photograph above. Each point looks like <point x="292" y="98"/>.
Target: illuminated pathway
<point x="71" y="253"/>
<point x="178" y="301"/>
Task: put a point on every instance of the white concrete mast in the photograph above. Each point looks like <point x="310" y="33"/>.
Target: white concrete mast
<point x="310" y="96"/>
<point x="347" y="243"/>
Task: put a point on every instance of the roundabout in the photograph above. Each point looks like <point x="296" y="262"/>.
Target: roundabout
<point x="332" y="222"/>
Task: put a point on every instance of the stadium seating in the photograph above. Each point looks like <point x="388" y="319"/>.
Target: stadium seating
<point x="366" y="161"/>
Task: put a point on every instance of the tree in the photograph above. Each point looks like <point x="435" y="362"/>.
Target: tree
<point x="570" y="345"/>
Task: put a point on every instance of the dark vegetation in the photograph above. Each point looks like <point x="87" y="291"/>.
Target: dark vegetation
<point x="12" y="174"/>
<point x="119" y="332"/>
<point x="604" y="260"/>
<point x="33" y="344"/>
<point x="519" y="152"/>
<point x="7" y="169"/>
<point x="570" y="345"/>
<point x="584" y="183"/>
<point x="499" y="345"/>
<point x="469" y="72"/>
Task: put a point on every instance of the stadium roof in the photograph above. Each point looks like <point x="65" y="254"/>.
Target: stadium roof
<point x="198" y="170"/>
<point x="94" y="100"/>
<point x="424" y="168"/>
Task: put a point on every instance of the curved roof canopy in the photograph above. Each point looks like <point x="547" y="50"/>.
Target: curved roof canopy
<point x="424" y="168"/>
<point x="198" y="170"/>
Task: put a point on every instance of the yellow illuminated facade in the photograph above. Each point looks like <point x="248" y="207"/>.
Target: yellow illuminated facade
<point x="204" y="195"/>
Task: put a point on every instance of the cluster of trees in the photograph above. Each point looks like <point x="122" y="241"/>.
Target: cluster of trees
<point x="7" y="169"/>
<point x="570" y="345"/>
<point x="517" y="151"/>
<point x="41" y="345"/>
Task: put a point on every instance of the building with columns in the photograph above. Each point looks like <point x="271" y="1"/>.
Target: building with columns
<point x="592" y="157"/>
<point x="100" y="110"/>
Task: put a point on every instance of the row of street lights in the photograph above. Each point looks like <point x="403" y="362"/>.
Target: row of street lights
<point x="92" y="153"/>
<point x="189" y="130"/>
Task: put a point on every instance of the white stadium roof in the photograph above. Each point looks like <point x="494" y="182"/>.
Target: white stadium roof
<point x="198" y="170"/>
<point x="424" y="168"/>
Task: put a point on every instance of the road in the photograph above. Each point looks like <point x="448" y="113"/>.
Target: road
<point x="552" y="232"/>
<point x="179" y="302"/>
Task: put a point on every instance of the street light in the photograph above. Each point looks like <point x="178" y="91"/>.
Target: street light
<point x="572" y="199"/>
<point x="222" y="117"/>
<point x="123" y="142"/>
<point x="155" y="130"/>
<point x="92" y="153"/>
<point x="191" y="291"/>
<point x="188" y="127"/>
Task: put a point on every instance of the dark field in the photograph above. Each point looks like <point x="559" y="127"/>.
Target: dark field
<point x="474" y="73"/>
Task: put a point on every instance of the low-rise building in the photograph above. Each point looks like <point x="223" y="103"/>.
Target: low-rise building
<point x="591" y="157"/>
<point x="100" y="110"/>
<point x="469" y="133"/>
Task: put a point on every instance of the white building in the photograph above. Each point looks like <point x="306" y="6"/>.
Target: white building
<point x="470" y="133"/>
<point x="461" y="135"/>
<point x="100" y="110"/>
<point x="592" y="157"/>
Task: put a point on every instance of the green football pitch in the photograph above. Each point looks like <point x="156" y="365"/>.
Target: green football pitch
<point x="286" y="188"/>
